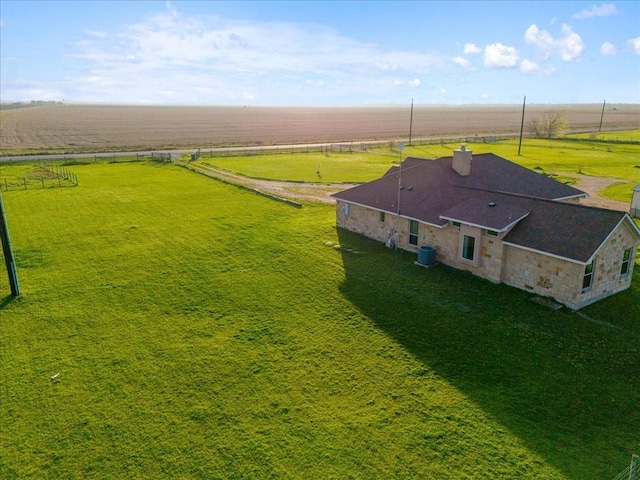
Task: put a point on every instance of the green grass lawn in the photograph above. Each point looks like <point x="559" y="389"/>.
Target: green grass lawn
<point x="334" y="167"/>
<point x="589" y="158"/>
<point x="172" y="326"/>
<point x="601" y="159"/>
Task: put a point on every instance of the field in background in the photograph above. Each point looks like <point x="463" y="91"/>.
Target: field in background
<point x="91" y="128"/>
<point x="172" y="326"/>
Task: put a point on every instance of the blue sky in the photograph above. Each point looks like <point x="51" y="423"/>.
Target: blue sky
<point x="320" y="53"/>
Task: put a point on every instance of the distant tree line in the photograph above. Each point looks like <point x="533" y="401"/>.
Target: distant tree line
<point x="32" y="103"/>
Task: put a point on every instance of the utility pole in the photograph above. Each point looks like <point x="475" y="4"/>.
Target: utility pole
<point x="522" y="124"/>
<point x="601" y="115"/>
<point x="411" y="122"/>
<point x="8" y="253"/>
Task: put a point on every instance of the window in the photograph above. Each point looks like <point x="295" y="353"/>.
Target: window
<point x="345" y="209"/>
<point x="413" y="232"/>
<point x="587" y="280"/>
<point x="626" y="262"/>
<point x="468" y="247"/>
<point x="456" y="224"/>
<point x="492" y="233"/>
<point x="382" y="217"/>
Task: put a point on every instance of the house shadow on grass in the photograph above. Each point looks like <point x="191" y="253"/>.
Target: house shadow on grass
<point x="567" y="387"/>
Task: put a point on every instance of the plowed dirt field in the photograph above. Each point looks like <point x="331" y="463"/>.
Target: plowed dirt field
<point x="93" y="128"/>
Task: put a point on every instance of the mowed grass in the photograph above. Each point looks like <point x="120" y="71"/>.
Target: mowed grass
<point x="172" y="326"/>
<point x="317" y="167"/>
<point x="600" y="158"/>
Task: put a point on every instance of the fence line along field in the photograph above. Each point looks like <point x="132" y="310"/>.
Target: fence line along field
<point x="98" y="128"/>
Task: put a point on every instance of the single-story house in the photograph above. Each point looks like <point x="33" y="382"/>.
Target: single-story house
<point x="500" y="221"/>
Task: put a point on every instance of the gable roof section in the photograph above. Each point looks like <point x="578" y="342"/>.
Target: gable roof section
<point x="494" y="173"/>
<point x="488" y="210"/>
<point x="570" y="231"/>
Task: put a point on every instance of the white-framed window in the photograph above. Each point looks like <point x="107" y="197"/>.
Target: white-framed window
<point x="345" y="209"/>
<point x="626" y="262"/>
<point x="468" y="247"/>
<point x="587" y="279"/>
<point x="413" y="232"/>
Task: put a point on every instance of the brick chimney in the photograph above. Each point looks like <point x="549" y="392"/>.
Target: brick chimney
<point x="462" y="161"/>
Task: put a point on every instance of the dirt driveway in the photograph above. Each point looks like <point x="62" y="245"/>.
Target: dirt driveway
<point x="592" y="185"/>
<point x="320" y="192"/>
<point x="296" y="191"/>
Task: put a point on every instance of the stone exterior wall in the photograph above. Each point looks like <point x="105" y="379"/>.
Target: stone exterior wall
<point x="365" y="221"/>
<point x="531" y="271"/>
<point x="608" y="263"/>
<point x="542" y="274"/>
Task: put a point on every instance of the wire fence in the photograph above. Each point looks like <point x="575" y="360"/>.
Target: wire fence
<point x="56" y="173"/>
<point x="38" y="175"/>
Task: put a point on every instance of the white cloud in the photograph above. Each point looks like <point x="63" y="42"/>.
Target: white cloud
<point x="471" y="48"/>
<point x="412" y="83"/>
<point x="604" y="10"/>
<point x="498" y="55"/>
<point x="1" y="23"/>
<point x="607" y="49"/>
<point x="569" y="47"/>
<point x="484" y="96"/>
<point x="443" y="90"/>
<point x="528" y="67"/>
<point x="464" y="63"/>
<point x="386" y="66"/>
<point x="173" y="11"/>
<point x="634" y="45"/>
<point x="95" y="33"/>
<point x="541" y="39"/>
<point x="172" y="56"/>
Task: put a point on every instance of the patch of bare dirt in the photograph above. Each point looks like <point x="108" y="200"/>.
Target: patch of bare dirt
<point x="592" y="185"/>
<point x="296" y="191"/>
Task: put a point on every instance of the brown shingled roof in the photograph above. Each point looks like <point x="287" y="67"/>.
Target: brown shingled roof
<point x="488" y="210"/>
<point x="497" y="195"/>
<point x="565" y="230"/>
<point x="430" y="187"/>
